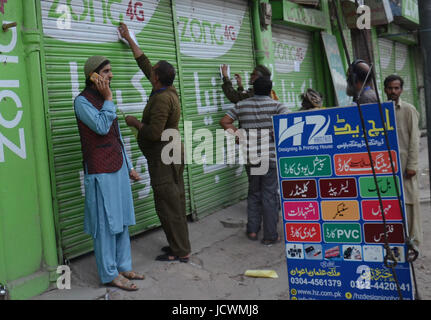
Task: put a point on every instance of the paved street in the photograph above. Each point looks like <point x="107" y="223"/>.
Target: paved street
<point x="221" y="255"/>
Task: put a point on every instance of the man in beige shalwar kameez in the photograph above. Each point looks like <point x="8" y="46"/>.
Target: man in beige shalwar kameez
<point x="407" y="118"/>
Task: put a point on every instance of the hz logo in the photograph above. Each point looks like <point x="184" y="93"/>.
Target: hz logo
<point x="318" y="135"/>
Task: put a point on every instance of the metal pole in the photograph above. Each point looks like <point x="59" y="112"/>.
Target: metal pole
<point x="425" y="38"/>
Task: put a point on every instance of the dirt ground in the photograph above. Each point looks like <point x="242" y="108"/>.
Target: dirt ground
<point x="220" y="257"/>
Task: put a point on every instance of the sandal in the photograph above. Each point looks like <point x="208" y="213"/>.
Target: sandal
<point x="131" y="275"/>
<point x="123" y="283"/>
<point x="167" y="257"/>
<point x="270" y="242"/>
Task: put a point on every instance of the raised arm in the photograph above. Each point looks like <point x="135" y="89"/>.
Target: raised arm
<point x="125" y="34"/>
<point x="233" y="95"/>
<point x="141" y="59"/>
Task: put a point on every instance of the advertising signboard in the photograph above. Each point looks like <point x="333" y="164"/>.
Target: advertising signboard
<point x="334" y="231"/>
<point x="337" y="69"/>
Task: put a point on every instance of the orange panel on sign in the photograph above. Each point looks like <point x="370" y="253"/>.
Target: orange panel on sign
<point x="347" y="210"/>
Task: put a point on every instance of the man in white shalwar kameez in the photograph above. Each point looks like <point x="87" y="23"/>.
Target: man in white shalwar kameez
<point x="407" y="118"/>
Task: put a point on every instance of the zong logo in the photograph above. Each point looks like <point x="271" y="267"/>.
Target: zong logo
<point x="318" y="135"/>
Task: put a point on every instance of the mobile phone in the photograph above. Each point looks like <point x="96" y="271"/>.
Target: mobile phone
<point x="95" y="76"/>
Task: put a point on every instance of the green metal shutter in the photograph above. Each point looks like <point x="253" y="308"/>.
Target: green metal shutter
<point x="294" y="64"/>
<point x="348" y="37"/>
<point x="74" y="31"/>
<point x="212" y="32"/>
<point x="420" y="83"/>
<point x="387" y="57"/>
<point x="377" y="53"/>
<point x="395" y="59"/>
<point x="404" y="70"/>
<point x="387" y="61"/>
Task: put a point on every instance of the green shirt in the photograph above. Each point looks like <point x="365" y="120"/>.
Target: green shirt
<point x="163" y="111"/>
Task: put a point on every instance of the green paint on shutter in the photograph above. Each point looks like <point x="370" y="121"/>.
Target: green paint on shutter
<point x="294" y="64"/>
<point x="395" y="59"/>
<point x="212" y="32"/>
<point x="74" y="31"/>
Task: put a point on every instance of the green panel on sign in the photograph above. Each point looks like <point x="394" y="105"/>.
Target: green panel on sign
<point x="386" y="184"/>
<point x="342" y="232"/>
<point x="311" y="166"/>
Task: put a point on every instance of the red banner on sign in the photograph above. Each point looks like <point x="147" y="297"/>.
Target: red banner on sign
<point x="299" y="189"/>
<point x="374" y="233"/>
<point x="359" y="163"/>
<point x="338" y="188"/>
<point x="303" y="232"/>
<point x="371" y="210"/>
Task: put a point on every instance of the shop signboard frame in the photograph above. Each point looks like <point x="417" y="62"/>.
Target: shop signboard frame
<point x="299" y="16"/>
<point x="337" y="69"/>
<point x="406" y="12"/>
<point x="332" y="218"/>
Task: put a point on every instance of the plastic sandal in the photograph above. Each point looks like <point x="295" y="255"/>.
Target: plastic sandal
<point x="270" y="242"/>
<point x="131" y="275"/>
<point x="123" y="283"/>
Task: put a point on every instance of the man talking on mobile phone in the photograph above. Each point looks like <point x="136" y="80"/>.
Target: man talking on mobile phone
<point x="107" y="169"/>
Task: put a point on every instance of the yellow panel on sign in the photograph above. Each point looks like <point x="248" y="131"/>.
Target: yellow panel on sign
<point x="341" y="210"/>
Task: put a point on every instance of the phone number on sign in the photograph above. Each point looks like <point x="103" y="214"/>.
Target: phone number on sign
<point x="316" y="282"/>
<point x="387" y="286"/>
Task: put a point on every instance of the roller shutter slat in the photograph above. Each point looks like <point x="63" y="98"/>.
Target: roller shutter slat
<point x="66" y="50"/>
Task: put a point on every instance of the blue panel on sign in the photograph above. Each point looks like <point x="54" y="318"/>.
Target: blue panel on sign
<point x="334" y="250"/>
